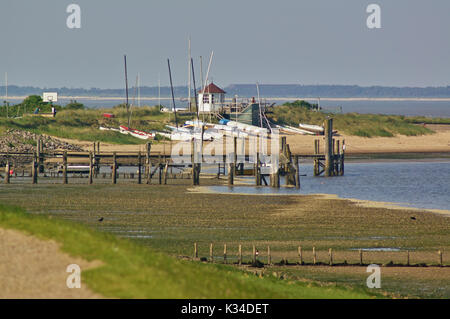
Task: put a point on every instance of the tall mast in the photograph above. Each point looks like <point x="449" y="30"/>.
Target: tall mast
<point x="159" y="89"/>
<point x="139" y="89"/>
<point x="6" y="88"/>
<point x="201" y="72"/>
<point x="173" y="97"/>
<point x="259" y="104"/>
<point x="189" y="73"/>
<point x="195" y="88"/>
<point x="126" y="88"/>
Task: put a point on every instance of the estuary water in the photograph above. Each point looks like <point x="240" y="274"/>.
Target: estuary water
<point x="413" y="184"/>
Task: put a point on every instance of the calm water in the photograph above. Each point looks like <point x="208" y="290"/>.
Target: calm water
<point x="407" y="108"/>
<point x="415" y="184"/>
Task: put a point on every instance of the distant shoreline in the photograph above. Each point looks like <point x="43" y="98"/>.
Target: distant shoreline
<point x="275" y="98"/>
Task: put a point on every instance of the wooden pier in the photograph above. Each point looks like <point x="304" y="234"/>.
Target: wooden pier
<point x="65" y="164"/>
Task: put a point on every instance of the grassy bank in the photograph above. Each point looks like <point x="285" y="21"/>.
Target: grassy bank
<point x="130" y="270"/>
<point x="170" y="219"/>
<point x="365" y="125"/>
<point x="84" y="124"/>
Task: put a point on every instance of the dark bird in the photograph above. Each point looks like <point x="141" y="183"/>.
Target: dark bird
<point x="101" y="219"/>
<point x="413" y="218"/>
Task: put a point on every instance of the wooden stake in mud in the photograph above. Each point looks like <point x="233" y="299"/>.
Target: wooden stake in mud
<point x="195" y="251"/>
<point x="7" y="169"/>
<point x="269" y="257"/>
<point x="148" y="164"/>
<point x="211" y="257"/>
<point x="166" y="168"/>
<point x="440" y="258"/>
<point x="341" y="166"/>
<point x="407" y="257"/>
<point x="91" y="168"/>
<point x="360" y="257"/>
<point x="314" y="255"/>
<point x="231" y="170"/>
<point x="258" y="170"/>
<point x="240" y="255"/>
<point x="330" y="254"/>
<point x="300" y="255"/>
<point x="114" y="169"/>
<point x="297" y="172"/>
<point x="65" y="168"/>
<point x="254" y="255"/>
<point x="225" y="253"/>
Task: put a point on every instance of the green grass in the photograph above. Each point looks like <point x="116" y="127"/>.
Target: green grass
<point x="130" y="270"/>
<point x="365" y="125"/>
<point x="84" y="124"/>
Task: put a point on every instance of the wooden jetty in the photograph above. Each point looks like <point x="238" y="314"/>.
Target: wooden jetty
<point x="65" y="164"/>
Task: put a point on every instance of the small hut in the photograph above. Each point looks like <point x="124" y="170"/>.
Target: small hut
<point x="211" y="99"/>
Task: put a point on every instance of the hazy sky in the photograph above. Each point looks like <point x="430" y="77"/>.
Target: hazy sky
<point x="283" y="41"/>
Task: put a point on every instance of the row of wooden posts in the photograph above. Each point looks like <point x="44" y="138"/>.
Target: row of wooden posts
<point x="255" y="255"/>
<point x="332" y="164"/>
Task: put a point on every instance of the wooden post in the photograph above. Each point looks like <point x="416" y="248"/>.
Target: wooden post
<point x="269" y="257"/>
<point x="314" y="255"/>
<point x="300" y="255"/>
<point x="341" y="166"/>
<point x="39" y="147"/>
<point x="34" y="174"/>
<point x="225" y="253"/>
<point x="316" y="160"/>
<point x="148" y="163"/>
<point x="258" y="170"/>
<point x="166" y="168"/>
<point x="240" y="255"/>
<point x="211" y="257"/>
<point x="254" y="255"/>
<point x="91" y="168"/>
<point x="65" y="181"/>
<point x="114" y="169"/>
<point x="407" y="258"/>
<point x="97" y="161"/>
<point x="360" y="257"/>
<point x="440" y="258"/>
<point x="7" y="172"/>
<point x="231" y="169"/>
<point x="139" y="168"/>
<point x="195" y="251"/>
<point x="297" y="172"/>
<point x="328" y="147"/>
<point x="330" y="254"/>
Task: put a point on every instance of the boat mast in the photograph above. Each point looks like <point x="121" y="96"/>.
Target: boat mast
<point x="6" y="99"/>
<point x="195" y="88"/>
<point x="173" y="97"/>
<point x="189" y="73"/>
<point x="259" y="104"/>
<point x="126" y="89"/>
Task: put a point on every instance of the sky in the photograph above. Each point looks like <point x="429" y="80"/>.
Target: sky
<point x="265" y="41"/>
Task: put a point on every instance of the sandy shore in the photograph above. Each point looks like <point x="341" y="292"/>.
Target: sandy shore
<point x="304" y="144"/>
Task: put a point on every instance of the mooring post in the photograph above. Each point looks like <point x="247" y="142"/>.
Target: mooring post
<point x="360" y="257"/>
<point x="91" y="168"/>
<point x="297" y="172"/>
<point x="314" y="255"/>
<point x="316" y="159"/>
<point x="139" y="168"/>
<point x="114" y="169"/>
<point x="440" y="258"/>
<point x="330" y="254"/>
<point x="166" y="168"/>
<point x="65" y="181"/>
<point x="7" y="169"/>
<point x="34" y="174"/>
<point x="97" y="161"/>
<point x="269" y="257"/>
<point x="240" y="255"/>
<point x="407" y="257"/>
<point x="328" y="147"/>
<point x="231" y="169"/>
<point x="254" y="255"/>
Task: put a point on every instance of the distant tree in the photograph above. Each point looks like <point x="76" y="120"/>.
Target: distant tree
<point x="301" y="103"/>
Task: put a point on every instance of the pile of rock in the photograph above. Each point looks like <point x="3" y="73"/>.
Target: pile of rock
<point x="18" y="141"/>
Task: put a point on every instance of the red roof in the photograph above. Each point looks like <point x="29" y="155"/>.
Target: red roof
<point x="212" y="88"/>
